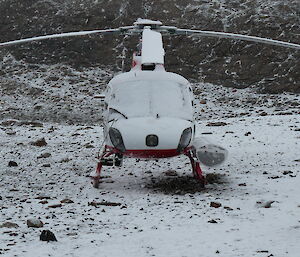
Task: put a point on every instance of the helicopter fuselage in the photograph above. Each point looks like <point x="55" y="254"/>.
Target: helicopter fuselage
<point x="149" y="114"/>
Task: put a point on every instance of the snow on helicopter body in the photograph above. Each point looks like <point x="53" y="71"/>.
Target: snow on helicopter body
<point x="157" y="104"/>
<point x="149" y="111"/>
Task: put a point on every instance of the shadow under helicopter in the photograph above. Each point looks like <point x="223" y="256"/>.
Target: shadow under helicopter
<point x="173" y="184"/>
<point x="181" y="185"/>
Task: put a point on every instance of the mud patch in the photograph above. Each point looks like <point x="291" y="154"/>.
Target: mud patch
<point x="183" y="184"/>
<point x="215" y="178"/>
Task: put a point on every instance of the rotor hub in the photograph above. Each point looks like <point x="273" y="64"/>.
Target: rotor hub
<point x="142" y="23"/>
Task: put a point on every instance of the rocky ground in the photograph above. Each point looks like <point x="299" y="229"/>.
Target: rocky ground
<point x="222" y="62"/>
<point x="50" y="132"/>
<point x="250" y="207"/>
<point x="62" y="94"/>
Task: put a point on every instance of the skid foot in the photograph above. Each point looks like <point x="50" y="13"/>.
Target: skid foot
<point x="96" y="182"/>
<point x="96" y="178"/>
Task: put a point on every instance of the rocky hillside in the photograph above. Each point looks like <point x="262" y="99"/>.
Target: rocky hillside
<point x="224" y="62"/>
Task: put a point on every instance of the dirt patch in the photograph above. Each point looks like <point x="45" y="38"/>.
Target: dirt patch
<point x="183" y="184"/>
<point x="215" y="178"/>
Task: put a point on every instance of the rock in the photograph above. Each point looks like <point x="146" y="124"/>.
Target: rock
<point x="55" y="205"/>
<point x="263" y="114"/>
<point x="268" y="204"/>
<point x="66" y="201"/>
<point x="9" y="225"/>
<point x="95" y="204"/>
<point x="44" y="155"/>
<point x="88" y="145"/>
<point x="216" y="124"/>
<point x="34" y="223"/>
<point x="65" y="160"/>
<point x="8" y="123"/>
<point x="197" y="91"/>
<point x="31" y="123"/>
<point x="47" y="236"/>
<point x="215" y="204"/>
<point x="11" y="132"/>
<point x="40" y="142"/>
<point x="274" y="177"/>
<point x="72" y="234"/>
<point x="12" y="164"/>
<point x="171" y="173"/>
<point x="43" y="202"/>
<point x="43" y="197"/>
<point x="248" y="134"/>
<point x="284" y="113"/>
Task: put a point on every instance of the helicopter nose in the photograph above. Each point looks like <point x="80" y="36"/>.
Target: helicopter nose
<point x="151" y="133"/>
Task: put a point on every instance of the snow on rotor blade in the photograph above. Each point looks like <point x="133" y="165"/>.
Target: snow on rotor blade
<point x="237" y="36"/>
<point x="68" y="34"/>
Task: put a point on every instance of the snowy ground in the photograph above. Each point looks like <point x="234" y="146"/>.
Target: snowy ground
<point x="156" y="214"/>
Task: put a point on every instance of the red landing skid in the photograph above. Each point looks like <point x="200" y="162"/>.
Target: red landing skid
<point x="189" y="152"/>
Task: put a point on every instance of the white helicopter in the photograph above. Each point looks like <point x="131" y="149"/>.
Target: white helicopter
<point x="149" y="111"/>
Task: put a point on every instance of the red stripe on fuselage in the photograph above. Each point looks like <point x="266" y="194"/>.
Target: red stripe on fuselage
<point x="155" y="154"/>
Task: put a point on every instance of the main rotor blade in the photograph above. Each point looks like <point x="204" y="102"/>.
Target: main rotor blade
<point x="236" y="36"/>
<point x="68" y="34"/>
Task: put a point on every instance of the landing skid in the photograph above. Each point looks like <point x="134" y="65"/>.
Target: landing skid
<point x="96" y="179"/>
<point x="105" y="159"/>
<point x="197" y="172"/>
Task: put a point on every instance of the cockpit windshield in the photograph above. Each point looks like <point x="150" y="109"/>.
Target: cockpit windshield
<point x="152" y="98"/>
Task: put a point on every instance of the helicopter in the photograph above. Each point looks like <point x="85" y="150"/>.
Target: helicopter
<point x="149" y="112"/>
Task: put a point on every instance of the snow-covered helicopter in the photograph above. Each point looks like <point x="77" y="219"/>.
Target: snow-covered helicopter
<point x="149" y="111"/>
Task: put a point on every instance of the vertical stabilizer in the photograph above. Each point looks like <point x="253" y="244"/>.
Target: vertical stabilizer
<point x="152" y="47"/>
